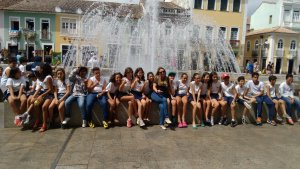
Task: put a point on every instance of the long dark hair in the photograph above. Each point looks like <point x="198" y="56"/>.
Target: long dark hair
<point x="194" y="76"/>
<point x="61" y="70"/>
<point x="137" y="71"/>
<point x="209" y="81"/>
<point x="46" y="70"/>
<point x="128" y="70"/>
<point x="112" y="78"/>
<point x="13" y="72"/>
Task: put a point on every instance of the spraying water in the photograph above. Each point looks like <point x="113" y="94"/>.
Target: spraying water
<point x="123" y="35"/>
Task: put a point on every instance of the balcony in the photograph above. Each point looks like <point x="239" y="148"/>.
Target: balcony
<point x="45" y="35"/>
<point x="264" y="53"/>
<point x="292" y="54"/>
<point x="28" y="34"/>
<point x="235" y="43"/>
<point x="279" y="53"/>
<point x="14" y="33"/>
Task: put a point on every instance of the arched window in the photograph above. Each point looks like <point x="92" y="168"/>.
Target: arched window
<point x="280" y="44"/>
<point x="293" y="45"/>
<point x="256" y="45"/>
<point x="248" y="46"/>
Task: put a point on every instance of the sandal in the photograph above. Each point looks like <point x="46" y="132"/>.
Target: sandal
<point x="105" y="124"/>
<point x="91" y="124"/>
<point x="273" y="123"/>
<point x="290" y="121"/>
<point x="180" y="125"/>
<point x="36" y="124"/>
<point x="195" y="126"/>
<point x="163" y="127"/>
<point x="129" y="123"/>
<point x="184" y="124"/>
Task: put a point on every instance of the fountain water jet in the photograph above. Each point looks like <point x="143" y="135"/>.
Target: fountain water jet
<point x="137" y="36"/>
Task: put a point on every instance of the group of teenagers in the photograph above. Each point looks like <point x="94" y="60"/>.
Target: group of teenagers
<point x="43" y="90"/>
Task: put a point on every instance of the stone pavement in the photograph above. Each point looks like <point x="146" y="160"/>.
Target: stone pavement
<point x="119" y="147"/>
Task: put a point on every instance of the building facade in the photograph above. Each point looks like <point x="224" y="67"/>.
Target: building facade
<point x="276" y="45"/>
<point x="229" y="16"/>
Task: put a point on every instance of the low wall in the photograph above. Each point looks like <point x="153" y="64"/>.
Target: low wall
<point x="7" y="116"/>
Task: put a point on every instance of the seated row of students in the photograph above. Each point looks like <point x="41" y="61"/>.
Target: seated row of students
<point x="204" y="93"/>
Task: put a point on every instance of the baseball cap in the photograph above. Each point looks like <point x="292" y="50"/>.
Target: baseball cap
<point x="224" y="75"/>
<point x="172" y="74"/>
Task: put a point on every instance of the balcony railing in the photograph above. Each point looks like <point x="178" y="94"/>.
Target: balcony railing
<point x="279" y="53"/>
<point x="235" y="43"/>
<point x="14" y="33"/>
<point x="264" y="53"/>
<point x="45" y="35"/>
<point x="292" y="54"/>
<point x="28" y="34"/>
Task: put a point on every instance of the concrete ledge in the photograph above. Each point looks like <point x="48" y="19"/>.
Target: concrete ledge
<point x="7" y="116"/>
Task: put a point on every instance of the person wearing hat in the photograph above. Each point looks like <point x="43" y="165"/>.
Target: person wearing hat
<point x="229" y="92"/>
<point x="172" y="103"/>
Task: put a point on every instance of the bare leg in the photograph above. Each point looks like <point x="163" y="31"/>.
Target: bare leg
<point x="23" y="105"/>
<point x="13" y="105"/>
<point x="179" y="104"/>
<point x="184" y="102"/>
<point x="61" y="111"/>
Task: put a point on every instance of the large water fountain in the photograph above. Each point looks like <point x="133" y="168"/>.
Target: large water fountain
<point x="123" y="35"/>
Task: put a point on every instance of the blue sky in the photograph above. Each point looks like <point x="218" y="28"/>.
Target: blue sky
<point x="252" y="5"/>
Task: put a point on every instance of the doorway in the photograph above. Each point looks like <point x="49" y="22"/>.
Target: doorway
<point x="291" y="65"/>
<point x="30" y="56"/>
<point x="278" y="65"/>
<point x="13" y="50"/>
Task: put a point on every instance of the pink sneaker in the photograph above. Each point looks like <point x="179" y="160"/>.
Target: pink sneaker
<point x="129" y="123"/>
<point x="180" y="125"/>
<point x="184" y="124"/>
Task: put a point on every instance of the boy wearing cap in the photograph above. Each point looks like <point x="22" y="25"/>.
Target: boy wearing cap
<point x="255" y="89"/>
<point x="229" y="92"/>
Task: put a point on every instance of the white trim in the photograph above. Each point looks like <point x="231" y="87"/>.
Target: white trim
<point x="295" y="44"/>
<point x="49" y="32"/>
<point x="76" y="34"/>
<point x="9" y="21"/>
<point x="226" y="31"/>
<point x="49" y="44"/>
<point x="282" y="44"/>
<point x="8" y="42"/>
<point x="249" y="46"/>
<point x="240" y="9"/>
<point x="33" y="22"/>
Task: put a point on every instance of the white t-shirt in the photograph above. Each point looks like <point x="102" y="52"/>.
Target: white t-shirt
<point x="98" y="88"/>
<point x="272" y="90"/>
<point x="44" y="83"/>
<point x="61" y="87"/>
<point x="111" y="88"/>
<point x="182" y="87"/>
<point x="38" y="84"/>
<point x="4" y="77"/>
<point x="23" y="70"/>
<point x="127" y="85"/>
<point x="227" y="89"/>
<point x="138" y="86"/>
<point x="215" y="87"/>
<point x="286" y="90"/>
<point x="196" y="87"/>
<point x="240" y="90"/>
<point x="15" y="83"/>
<point x="255" y="89"/>
<point x="204" y="89"/>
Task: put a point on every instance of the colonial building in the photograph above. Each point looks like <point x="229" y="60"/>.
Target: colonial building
<point x="228" y="16"/>
<point x="281" y="20"/>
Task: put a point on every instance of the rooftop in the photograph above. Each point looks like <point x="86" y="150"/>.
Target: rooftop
<point x="272" y="30"/>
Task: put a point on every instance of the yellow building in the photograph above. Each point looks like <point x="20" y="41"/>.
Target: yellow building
<point x="229" y="16"/>
<point x="276" y="45"/>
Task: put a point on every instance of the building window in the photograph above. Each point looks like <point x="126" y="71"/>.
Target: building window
<point x="234" y="33"/>
<point x="296" y="16"/>
<point x="287" y="15"/>
<point x="211" y="4"/>
<point x="45" y="29"/>
<point x="14" y="23"/>
<point x="64" y="50"/>
<point x="224" y="4"/>
<point x="293" y="45"/>
<point x="236" y="5"/>
<point x="168" y="30"/>
<point x="280" y="44"/>
<point x="270" y="19"/>
<point x="198" y="4"/>
<point x="256" y="45"/>
<point x="68" y="26"/>
<point x="29" y="24"/>
<point x="209" y="32"/>
<point x="222" y="32"/>
<point x="248" y="46"/>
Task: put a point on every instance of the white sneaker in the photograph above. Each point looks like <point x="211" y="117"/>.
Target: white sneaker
<point x="212" y="123"/>
<point x="142" y="124"/>
<point x="84" y="123"/>
<point x="67" y="119"/>
<point x="138" y="121"/>
<point x="27" y="120"/>
<point x="247" y="105"/>
<point x="168" y="121"/>
<point x="163" y="127"/>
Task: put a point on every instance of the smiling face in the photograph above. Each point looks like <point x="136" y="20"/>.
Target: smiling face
<point x="140" y="74"/>
<point x="151" y="77"/>
<point x="60" y="74"/>
<point x="215" y="78"/>
<point x="206" y="78"/>
<point x="118" y="79"/>
<point x="197" y="79"/>
<point x="162" y="73"/>
<point x="97" y="74"/>
<point x="184" y="78"/>
<point x="255" y="79"/>
<point x="289" y="80"/>
<point x="242" y="83"/>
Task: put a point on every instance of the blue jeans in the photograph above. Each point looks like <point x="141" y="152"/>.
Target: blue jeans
<point x="163" y="106"/>
<point x="271" y="106"/>
<point x="288" y="103"/>
<point x="90" y="101"/>
<point x="81" y="104"/>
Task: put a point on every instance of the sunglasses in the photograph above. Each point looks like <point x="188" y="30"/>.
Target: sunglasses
<point x="162" y="71"/>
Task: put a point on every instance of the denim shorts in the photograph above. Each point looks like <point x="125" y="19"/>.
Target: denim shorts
<point x="228" y="99"/>
<point x="214" y="96"/>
